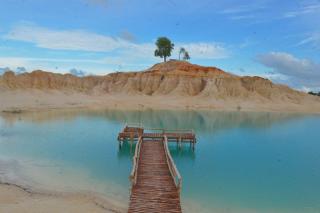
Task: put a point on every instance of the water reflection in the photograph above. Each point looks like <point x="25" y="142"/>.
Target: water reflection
<point x="126" y="150"/>
<point x="184" y="152"/>
<point x="243" y="162"/>
<point x="200" y="121"/>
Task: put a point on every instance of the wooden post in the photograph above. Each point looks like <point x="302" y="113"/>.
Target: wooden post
<point x="120" y="143"/>
<point x="194" y="141"/>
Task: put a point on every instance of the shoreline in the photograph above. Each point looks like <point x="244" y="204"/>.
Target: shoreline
<point x="20" y="192"/>
<point x="18" y="198"/>
<point x="34" y="101"/>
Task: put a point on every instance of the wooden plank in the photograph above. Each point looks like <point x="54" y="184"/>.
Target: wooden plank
<point x="155" y="179"/>
<point x="155" y="189"/>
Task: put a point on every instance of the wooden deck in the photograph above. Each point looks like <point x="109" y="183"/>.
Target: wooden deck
<point x="155" y="180"/>
<point x="132" y="133"/>
<point x="155" y="189"/>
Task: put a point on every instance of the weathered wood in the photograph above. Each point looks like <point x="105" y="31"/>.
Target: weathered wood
<point x="136" y="157"/>
<point x="155" y="179"/>
<point x="155" y="189"/>
<point x="133" y="133"/>
<point x="172" y="166"/>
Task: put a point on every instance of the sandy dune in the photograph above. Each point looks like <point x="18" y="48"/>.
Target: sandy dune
<point x="171" y="85"/>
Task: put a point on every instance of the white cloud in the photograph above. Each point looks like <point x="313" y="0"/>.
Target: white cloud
<point x="24" y="61"/>
<point x="4" y="69"/>
<point x="313" y="39"/>
<point x="48" y="64"/>
<point x="203" y="50"/>
<point x="241" y="17"/>
<point x="300" y="72"/>
<point x="13" y="62"/>
<point x="304" y="10"/>
<point x="242" y="9"/>
<point x="80" y="40"/>
<point x="20" y="70"/>
<point x="241" y="12"/>
<point x="65" y="39"/>
<point x="121" y="54"/>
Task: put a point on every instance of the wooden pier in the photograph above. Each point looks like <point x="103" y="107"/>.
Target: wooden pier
<point x="134" y="131"/>
<point x="155" y="180"/>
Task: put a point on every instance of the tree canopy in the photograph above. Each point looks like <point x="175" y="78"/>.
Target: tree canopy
<point x="182" y="51"/>
<point x="164" y="48"/>
<point x="186" y="56"/>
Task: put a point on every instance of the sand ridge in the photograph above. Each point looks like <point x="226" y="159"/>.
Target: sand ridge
<point x="170" y="85"/>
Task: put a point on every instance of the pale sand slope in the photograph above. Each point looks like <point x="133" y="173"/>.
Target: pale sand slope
<point x="170" y="85"/>
<point x="17" y="199"/>
<point x="34" y="100"/>
<point x="19" y="193"/>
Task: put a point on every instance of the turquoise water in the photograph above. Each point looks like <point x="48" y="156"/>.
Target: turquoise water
<point x="243" y="162"/>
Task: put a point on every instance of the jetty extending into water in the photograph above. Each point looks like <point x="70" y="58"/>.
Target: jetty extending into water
<point x="155" y="179"/>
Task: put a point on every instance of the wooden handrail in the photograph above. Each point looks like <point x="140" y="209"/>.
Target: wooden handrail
<point x="170" y="130"/>
<point x="134" y="171"/>
<point x="163" y="131"/>
<point x="172" y="166"/>
<point x="133" y="125"/>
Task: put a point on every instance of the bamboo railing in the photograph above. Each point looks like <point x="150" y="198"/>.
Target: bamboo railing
<point x="172" y="166"/>
<point x="134" y="171"/>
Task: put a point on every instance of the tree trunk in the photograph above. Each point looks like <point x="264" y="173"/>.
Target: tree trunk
<point x="165" y="58"/>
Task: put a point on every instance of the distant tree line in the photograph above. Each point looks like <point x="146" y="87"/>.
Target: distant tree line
<point x="314" y="93"/>
<point x="165" y="47"/>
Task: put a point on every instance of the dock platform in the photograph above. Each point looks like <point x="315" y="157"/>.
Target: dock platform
<point x="155" y="179"/>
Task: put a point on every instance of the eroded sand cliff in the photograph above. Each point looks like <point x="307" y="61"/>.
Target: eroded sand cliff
<point x="174" y="84"/>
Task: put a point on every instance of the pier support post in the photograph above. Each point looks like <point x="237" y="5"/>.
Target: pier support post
<point x="193" y="144"/>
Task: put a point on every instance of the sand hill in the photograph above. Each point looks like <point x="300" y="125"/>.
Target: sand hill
<point x="174" y="84"/>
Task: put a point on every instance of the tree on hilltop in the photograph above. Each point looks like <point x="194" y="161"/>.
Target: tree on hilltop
<point x="164" y="48"/>
<point x="181" y="51"/>
<point x="186" y="56"/>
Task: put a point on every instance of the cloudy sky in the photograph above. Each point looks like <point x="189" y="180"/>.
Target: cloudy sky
<point x="276" y="39"/>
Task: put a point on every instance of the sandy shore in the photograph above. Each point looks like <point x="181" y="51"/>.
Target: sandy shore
<point x="20" y="193"/>
<point x="18" y="101"/>
<point x="14" y="198"/>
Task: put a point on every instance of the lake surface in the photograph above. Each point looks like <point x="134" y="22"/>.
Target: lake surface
<point x="243" y="161"/>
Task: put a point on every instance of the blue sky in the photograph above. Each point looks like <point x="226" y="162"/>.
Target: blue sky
<point x="279" y="40"/>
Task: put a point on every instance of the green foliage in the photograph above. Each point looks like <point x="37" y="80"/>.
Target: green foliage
<point x="181" y="51"/>
<point x="314" y="93"/>
<point x="164" y="48"/>
<point x="186" y="56"/>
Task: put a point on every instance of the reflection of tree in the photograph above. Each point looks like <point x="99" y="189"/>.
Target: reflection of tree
<point x="127" y="150"/>
<point x="200" y="121"/>
<point x="185" y="152"/>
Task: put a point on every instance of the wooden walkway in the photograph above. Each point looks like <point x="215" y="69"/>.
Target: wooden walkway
<point x="155" y="180"/>
<point x="155" y="189"/>
<point x="132" y="133"/>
